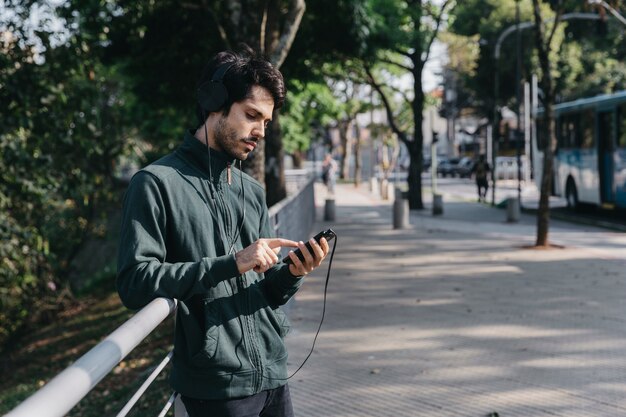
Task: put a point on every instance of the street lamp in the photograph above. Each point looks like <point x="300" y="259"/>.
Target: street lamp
<point x="518" y="94"/>
<point x="503" y="35"/>
<point x="496" y="110"/>
<point x="609" y="8"/>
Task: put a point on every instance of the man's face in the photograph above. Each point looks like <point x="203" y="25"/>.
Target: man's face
<point x="239" y="132"/>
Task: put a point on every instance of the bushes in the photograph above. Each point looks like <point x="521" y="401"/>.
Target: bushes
<point x="59" y="140"/>
<point x="23" y="273"/>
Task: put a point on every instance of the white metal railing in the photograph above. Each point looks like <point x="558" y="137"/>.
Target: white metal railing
<point x="137" y="395"/>
<point x="65" y="390"/>
<point x="292" y="218"/>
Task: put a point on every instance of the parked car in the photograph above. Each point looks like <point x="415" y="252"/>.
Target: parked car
<point x="426" y="164"/>
<point x="464" y="167"/>
<point x="447" y="167"/>
<point x="506" y="168"/>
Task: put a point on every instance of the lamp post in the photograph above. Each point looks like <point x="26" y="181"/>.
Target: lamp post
<point x="518" y="94"/>
<point x="494" y="133"/>
<point x="609" y="8"/>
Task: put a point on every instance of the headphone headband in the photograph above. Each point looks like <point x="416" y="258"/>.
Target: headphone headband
<point x="218" y="76"/>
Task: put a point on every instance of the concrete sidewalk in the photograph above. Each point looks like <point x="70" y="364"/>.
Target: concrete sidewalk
<point x="453" y="317"/>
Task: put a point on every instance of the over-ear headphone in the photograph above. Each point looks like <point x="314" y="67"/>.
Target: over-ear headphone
<point x="212" y="95"/>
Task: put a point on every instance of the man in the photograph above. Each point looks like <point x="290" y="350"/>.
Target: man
<point x="196" y="230"/>
<point x="329" y="173"/>
<point x="480" y="170"/>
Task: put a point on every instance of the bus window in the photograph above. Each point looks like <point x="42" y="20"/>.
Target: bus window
<point x="568" y="131"/>
<point x="563" y="133"/>
<point x="586" y="136"/>
<point x="606" y="131"/>
<point x="541" y="138"/>
<point x="621" y="126"/>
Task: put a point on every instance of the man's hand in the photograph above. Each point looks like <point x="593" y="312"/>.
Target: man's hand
<point x="311" y="260"/>
<point x="261" y="255"/>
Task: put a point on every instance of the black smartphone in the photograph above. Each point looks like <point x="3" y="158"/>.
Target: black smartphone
<point x="328" y="234"/>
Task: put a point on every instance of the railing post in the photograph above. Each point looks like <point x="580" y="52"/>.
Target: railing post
<point x="179" y="408"/>
<point x="65" y="390"/>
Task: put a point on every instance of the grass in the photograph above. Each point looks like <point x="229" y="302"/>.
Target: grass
<point x="44" y="352"/>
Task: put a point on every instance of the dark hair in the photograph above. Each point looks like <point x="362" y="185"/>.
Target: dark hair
<point x="246" y="70"/>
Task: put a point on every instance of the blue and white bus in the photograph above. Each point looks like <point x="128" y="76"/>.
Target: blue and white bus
<point x="590" y="157"/>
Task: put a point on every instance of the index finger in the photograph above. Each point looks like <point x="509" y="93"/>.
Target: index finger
<point x="280" y="242"/>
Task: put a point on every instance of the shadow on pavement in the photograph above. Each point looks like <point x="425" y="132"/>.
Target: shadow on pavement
<point x="457" y="322"/>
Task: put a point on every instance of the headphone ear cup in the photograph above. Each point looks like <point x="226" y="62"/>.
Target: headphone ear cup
<point x="212" y="96"/>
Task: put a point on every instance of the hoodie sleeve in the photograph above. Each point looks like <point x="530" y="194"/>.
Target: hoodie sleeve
<point x="142" y="272"/>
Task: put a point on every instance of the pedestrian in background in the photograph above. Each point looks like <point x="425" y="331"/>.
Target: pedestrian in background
<point x="480" y="169"/>
<point x="329" y="173"/>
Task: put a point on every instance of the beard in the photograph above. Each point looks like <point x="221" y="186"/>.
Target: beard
<point x="229" y="141"/>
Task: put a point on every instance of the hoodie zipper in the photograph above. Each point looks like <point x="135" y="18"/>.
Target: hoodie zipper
<point x="249" y="327"/>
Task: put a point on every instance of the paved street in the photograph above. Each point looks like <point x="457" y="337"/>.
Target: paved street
<point x="465" y="188"/>
<point x="454" y="317"/>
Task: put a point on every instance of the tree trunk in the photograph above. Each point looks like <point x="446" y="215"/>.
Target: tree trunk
<point x="255" y="164"/>
<point x="282" y="44"/>
<point x="415" y="177"/>
<point x="277" y="35"/>
<point x="543" y="48"/>
<point x="344" y="140"/>
<point x="548" y="132"/>
<point x="543" y="213"/>
<point x="297" y="157"/>
<point x="274" y="163"/>
<point x="269" y="27"/>
<point x="415" y="147"/>
<point x="357" y="155"/>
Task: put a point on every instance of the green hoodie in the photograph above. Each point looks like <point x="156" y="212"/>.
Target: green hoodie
<point x="178" y="225"/>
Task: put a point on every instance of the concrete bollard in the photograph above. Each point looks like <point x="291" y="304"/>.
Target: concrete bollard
<point x="374" y="186"/>
<point x="391" y="191"/>
<point x="400" y="210"/>
<point x="437" y="204"/>
<point x="512" y="210"/>
<point x="329" y="210"/>
<point x="384" y="189"/>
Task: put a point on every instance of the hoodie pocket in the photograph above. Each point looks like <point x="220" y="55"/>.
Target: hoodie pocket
<point x="212" y="324"/>
<point x="283" y="322"/>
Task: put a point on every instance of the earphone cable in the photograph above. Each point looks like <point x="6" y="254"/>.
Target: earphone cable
<point x="319" y="327"/>
<point x="238" y="233"/>
<point x="208" y="150"/>
<point x="243" y="216"/>
<point x="211" y="186"/>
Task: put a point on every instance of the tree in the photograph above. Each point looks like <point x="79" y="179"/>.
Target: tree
<point x="549" y="43"/>
<point x="310" y="108"/>
<point x="573" y="60"/>
<point x="269" y="27"/>
<point x="161" y="46"/>
<point x="593" y="60"/>
<point x="327" y="30"/>
<point x="402" y="37"/>
<point x="333" y="34"/>
<point x="59" y="140"/>
<point x="544" y="36"/>
<point x="348" y="90"/>
<point x="476" y="26"/>
<point x="589" y="63"/>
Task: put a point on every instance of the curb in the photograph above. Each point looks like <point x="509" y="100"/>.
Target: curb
<point x="579" y="220"/>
